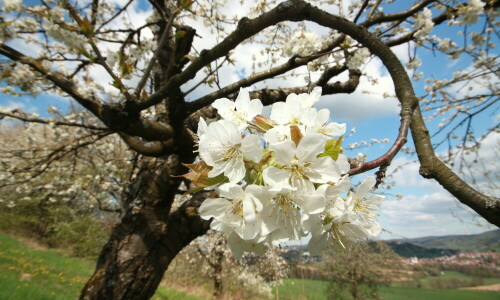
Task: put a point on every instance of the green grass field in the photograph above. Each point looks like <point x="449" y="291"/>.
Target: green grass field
<point x="38" y="275"/>
<point x="316" y="290"/>
<point x="26" y="273"/>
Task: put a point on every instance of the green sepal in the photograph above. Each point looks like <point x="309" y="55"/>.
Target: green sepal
<point x="332" y="148"/>
<point x="87" y="27"/>
<point x="185" y="4"/>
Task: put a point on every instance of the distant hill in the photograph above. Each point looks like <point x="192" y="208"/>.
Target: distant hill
<point x="428" y="247"/>
<point x="405" y="249"/>
<point x="487" y="241"/>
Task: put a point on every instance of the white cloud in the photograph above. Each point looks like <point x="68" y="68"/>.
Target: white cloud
<point x="427" y="209"/>
<point x="10" y="104"/>
<point x="368" y="101"/>
<point x="430" y="214"/>
<point x="405" y="174"/>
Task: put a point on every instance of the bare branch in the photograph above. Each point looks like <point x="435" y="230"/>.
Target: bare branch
<point x="152" y="62"/>
<point x="102" y="61"/>
<point x="291" y="64"/>
<point x="290" y="10"/>
<point x="58" y="79"/>
<point x="16" y="114"/>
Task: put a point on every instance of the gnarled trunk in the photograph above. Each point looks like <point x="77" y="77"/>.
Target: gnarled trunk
<point x="147" y="239"/>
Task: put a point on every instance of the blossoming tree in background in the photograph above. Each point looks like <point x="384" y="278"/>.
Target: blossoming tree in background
<point x="159" y="81"/>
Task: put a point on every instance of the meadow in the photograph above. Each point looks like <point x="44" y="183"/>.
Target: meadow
<point x="30" y="272"/>
<point x="38" y="274"/>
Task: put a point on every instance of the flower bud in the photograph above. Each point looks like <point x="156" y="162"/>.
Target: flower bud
<point x="263" y="123"/>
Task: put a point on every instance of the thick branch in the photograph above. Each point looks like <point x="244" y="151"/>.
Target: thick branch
<point x="402" y="83"/>
<point x="290" y="10"/>
<point x="59" y="80"/>
<point x="184" y="225"/>
<point x="112" y="115"/>
<point x="432" y="167"/>
<point x="270" y="96"/>
<point x="153" y="149"/>
<point x="291" y="64"/>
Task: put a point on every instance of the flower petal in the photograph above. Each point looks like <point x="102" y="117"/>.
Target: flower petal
<point x="248" y="209"/>
<point x="312" y="204"/>
<point x="280" y="113"/>
<point x="276" y="178"/>
<point x="284" y="151"/>
<point x="235" y="170"/>
<point x="365" y="187"/>
<point x="213" y="208"/>
<point x="250" y="230"/>
<point x="323" y="170"/>
<point x="310" y="146"/>
<point x="225" y="108"/>
<point x="277" y="134"/>
<point x="318" y="244"/>
<point x="343" y="163"/>
<point x="251" y="146"/>
<point x="255" y="108"/>
<point x="230" y="191"/>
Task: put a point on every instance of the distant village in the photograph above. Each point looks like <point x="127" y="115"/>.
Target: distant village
<point x="489" y="260"/>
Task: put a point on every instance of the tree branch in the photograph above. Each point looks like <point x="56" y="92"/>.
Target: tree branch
<point x="397" y="16"/>
<point x="112" y="115"/>
<point x="27" y="119"/>
<point x="58" y="79"/>
<point x="152" y="149"/>
<point x="432" y="167"/>
<point x="289" y="10"/>
<point x="152" y="62"/>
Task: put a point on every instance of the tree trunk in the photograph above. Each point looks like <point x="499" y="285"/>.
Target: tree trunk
<point x="147" y="239"/>
<point x="218" y="266"/>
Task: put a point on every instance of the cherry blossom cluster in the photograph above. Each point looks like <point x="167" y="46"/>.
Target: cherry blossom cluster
<point x="280" y="178"/>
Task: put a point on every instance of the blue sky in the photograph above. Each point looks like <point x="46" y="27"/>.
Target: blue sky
<point x="426" y="209"/>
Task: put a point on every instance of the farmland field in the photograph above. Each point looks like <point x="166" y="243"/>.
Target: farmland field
<point x="316" y="290"/>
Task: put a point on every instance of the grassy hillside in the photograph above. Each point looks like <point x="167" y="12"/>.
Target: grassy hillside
<point x="26" y="273"/>
<point x="410" y="250"/>
<point x="488" y="241"/>
<point x="31" y="274"/>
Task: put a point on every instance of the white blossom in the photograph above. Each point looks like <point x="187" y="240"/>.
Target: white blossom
<point x="358" y="59"/>
<point x="236" y="210"/>
<point x="223" y="148"/>
<point x="302" y="44"/>
<point x="321" y="125"/>
<point x="297" y="110"/>
<point x="423" y="23"/>
<point x="241" y="111"/>
<point x="12" y="5"/>
<point x="469" y="14"/>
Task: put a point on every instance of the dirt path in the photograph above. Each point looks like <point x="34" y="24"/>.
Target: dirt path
<point x="488" y="288"/>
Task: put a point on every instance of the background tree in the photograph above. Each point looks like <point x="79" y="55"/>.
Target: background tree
<point x="164" y="74"/>
<point x="63" y="195"/>
<point x="360" y="272"/>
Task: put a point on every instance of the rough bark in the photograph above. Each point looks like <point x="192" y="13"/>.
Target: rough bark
<point x="147" y="239"/>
